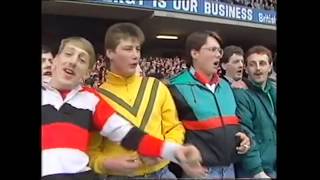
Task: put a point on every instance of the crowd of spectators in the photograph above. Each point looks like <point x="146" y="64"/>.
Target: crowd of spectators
<point x="158" y="67"/>
<point x="162" y="68"/>
<point x="259" y="4"/>
<point x="97" y="76"/>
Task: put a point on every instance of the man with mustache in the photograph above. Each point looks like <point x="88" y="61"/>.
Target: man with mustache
<point x="256" y="106"/>
<point x="232" y="66"/>
<point x="46" y="62"/>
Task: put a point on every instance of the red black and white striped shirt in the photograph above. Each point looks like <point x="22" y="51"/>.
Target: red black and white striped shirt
<point x="66" y="123"/>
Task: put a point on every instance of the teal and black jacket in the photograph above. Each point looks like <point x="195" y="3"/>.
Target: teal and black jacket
<point x="208" y="115"/>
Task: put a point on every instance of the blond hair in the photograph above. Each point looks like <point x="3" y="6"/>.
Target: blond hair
<point x="81" y="43"/>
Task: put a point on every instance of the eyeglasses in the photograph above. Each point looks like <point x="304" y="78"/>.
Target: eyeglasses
<point x="214" y="49"/>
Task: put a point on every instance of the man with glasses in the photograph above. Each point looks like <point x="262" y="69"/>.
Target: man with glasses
<point x="206" y="107"/>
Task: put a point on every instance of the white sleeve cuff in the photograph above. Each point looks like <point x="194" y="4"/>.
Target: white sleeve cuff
<point x="169" y="151"/>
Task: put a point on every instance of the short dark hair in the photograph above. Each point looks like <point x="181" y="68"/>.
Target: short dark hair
<point x="229" y="51"/>
<point x="259" y="49"/>
<point x="196" y="40"/>
<point x="45" y="49"/>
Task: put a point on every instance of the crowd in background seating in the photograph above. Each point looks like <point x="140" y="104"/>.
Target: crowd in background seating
<point x="259" y="4"/>
<point x="158" y="67"/>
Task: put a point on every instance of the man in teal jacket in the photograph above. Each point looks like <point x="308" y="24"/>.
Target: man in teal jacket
<point x="256" y="107"/>
<point x="207" y="108"/>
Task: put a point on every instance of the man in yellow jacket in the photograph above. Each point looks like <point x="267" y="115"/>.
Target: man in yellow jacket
<point x="145" y="101"/>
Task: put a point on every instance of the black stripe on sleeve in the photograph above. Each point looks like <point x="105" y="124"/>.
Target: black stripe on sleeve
<point x="133" y="138"/>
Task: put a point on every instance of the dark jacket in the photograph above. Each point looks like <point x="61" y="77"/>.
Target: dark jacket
<point x="208" y="117"/>
<point x="257" y="110"/>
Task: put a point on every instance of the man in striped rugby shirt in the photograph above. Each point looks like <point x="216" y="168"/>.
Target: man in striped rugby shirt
<point x="70" y="111"/>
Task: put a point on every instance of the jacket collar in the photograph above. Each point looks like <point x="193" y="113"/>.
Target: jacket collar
<point x="202" y="79"/>
<point x="228" y="79"/>
<point x="257" y="87"/>
<point x="116" y="79"/>
<point x="74" y="91"/>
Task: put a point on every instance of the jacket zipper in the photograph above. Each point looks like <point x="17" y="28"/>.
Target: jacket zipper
<point x="223" y="125"/>
<point x="127" y="89"/>
<point x="222" y="122"/>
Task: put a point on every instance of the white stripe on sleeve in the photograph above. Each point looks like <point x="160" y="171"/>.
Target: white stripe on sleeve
<point x="116" y="128"/>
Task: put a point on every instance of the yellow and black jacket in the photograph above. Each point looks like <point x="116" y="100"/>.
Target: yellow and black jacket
<point x="145" y="102"/>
